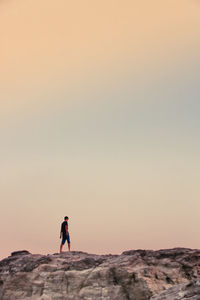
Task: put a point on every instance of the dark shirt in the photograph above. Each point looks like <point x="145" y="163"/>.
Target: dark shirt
<point x="63" y="229"/>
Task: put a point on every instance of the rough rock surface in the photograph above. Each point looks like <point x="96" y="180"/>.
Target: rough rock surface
<point x="170" y="274"/>
<point x="187" y="291"/>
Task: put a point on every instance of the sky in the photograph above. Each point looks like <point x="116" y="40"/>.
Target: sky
<point x="99" y="121"/>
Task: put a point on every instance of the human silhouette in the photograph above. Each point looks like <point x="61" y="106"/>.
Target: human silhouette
<point x="64" y="234"/>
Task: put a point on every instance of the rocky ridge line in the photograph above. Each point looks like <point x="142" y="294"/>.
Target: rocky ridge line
<point x="167" y="274"/>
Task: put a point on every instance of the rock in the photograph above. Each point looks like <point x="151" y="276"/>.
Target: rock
<point x="22" y="252"/>
<point x="190" y="291"/>
<point x="166" y="274"/>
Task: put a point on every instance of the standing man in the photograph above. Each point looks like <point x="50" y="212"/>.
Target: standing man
<point x="64" y="233"/>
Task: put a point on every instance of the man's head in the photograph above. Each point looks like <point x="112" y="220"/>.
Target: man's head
<point x="66" y="218"/>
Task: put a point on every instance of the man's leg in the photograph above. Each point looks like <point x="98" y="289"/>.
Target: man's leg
<point x="61" y="246"/>
<point x="68" y="241"/>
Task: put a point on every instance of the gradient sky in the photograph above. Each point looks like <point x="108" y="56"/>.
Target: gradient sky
<point x="99" y="120"/>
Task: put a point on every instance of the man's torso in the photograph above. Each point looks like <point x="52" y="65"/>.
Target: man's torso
<point x="63" y="228"/>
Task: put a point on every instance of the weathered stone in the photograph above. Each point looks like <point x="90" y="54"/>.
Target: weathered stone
<point x="135" y="275"/>
<point x="21" y="252"/>
<point x="189" y="291"/>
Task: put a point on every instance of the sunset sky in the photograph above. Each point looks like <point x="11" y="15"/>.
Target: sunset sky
<point x="100" y="121"/>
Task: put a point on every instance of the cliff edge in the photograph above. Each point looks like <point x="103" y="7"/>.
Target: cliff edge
<point x="166" y="274"/>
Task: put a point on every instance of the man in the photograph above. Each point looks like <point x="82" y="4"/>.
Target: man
<point x="64" y="233"/>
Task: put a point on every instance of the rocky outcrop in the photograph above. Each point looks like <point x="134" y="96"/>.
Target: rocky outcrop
<point x="189" y="291"/>
<point x="134" y="275"/>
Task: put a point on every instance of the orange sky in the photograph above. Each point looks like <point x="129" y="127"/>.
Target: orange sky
<point x="99" y="120"/>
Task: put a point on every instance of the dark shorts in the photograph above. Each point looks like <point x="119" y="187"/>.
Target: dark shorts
<point x="66" y="238"/>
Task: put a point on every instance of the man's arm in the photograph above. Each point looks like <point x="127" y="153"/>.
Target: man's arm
<point x="60" y="234"/>
<point x="66" y="229"/>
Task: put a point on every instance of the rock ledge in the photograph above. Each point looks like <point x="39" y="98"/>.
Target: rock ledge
<point x="166" y="274"/>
